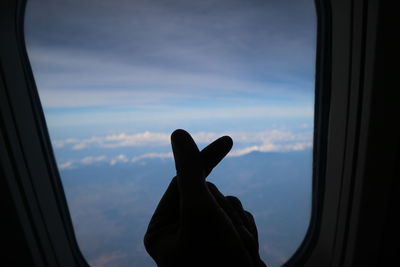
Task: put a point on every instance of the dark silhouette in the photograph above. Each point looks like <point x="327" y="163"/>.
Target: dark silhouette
<point x="195" y="224"/>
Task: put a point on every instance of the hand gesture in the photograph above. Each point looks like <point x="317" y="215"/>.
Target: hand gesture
<point x="194" y="224"/>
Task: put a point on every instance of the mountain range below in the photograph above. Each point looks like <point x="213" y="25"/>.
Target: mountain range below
<point x="111" y="205"/>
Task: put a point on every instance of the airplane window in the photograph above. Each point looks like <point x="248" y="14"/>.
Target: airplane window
<point x="116" y="78"/>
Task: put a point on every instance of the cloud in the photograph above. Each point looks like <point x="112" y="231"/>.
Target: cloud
<point x="264" y="141"/>
<point x="148" y="138"/>
<point x="122" y="140"/>
<point x="271" y="148"/>
<point x="120" y="158"/>
<point x="152" y="156"/>
<point x="115" y="140"/>
<point x="91" y="160"/>
<point x="66" y="165"/>
<point x="62" y="143"/>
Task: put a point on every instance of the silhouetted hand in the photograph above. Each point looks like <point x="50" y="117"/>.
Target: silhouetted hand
<point x="194" y="224"/>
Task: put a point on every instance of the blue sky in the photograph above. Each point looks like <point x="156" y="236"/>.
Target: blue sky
<point x="126" y="67"/>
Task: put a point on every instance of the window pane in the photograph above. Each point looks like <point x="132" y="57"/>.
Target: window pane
<point x="117" y="77"/>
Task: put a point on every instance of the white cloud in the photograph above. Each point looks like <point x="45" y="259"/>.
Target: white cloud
<point x="139" y="139"/>
<point x="147" y="138"/>
<point x="152" y="156"/>
<point x="79" y="146"/>
<point x="62" y="143"/>
<point x="91" y="160"/>
<point x="264" y="141"/>
<point x="121" y="158"/>
<point x="66" y="165"/>
<point x="120" y="140"/>
<point x="270" y="147"/>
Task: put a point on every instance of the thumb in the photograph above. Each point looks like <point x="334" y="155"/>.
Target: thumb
<point x="215" y="152"/>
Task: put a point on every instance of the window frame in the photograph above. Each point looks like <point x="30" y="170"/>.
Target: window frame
<point x="347" y="32"/>
<point x="344" y="64"/>
<point x="27" y="158"/>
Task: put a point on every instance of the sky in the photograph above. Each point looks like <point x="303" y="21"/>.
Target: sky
<point x="111" y="66"/>
<point x="115" y="78"/>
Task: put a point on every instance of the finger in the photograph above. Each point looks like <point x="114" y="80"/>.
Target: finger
<point x="253" y="226"/>
<point x="246" y="216"/>
<point x="165" y="216"/>
<point x="225" y="205"/>
<point x="167" y="210"/>
<point x="250" y="233"/>
<point x="253" y="230"/>
<point x="236" y="216"/>
<point x="215" y="152"/>
<point x="237" y="205"/>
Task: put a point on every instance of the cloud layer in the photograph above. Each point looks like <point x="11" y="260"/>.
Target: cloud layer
<point x="265" y="141"/>
<point x="148" y="138"/>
